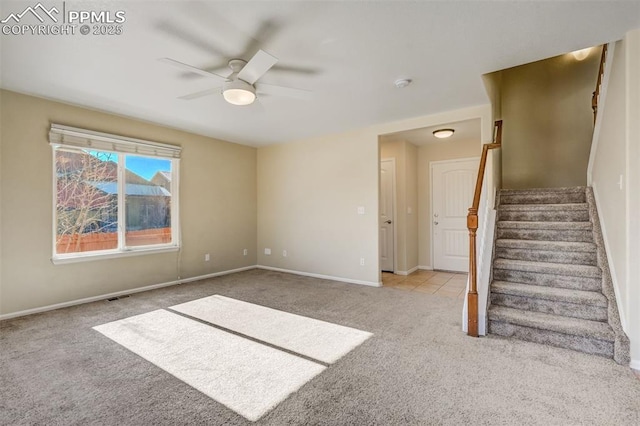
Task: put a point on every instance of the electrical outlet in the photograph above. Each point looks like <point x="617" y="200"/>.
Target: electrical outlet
<point x="362" y="261"/>
<point x="360" y="209"/>
<point x="267" y="251"/>
<point x="207" y="257"/>
<point x="245" y="252"/>
<point x="284" y="253"/>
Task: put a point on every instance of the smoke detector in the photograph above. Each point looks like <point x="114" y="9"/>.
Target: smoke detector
<point x="402" y="83"/>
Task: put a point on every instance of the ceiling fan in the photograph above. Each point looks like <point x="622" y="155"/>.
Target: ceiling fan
<point x="241" y="87"/>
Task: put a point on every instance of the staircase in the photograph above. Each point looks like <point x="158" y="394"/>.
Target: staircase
<point x="547" y="283"/>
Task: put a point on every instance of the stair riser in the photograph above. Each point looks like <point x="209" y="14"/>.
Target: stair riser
<point x="544" y="198"/>
<point x="545" y="235"/>
<point x="544" y="216"/>
<point x="576" y="258"/>
<point x="567" y="309"/>
<point x="548" y="280"/>
<point x="552" y="338"/>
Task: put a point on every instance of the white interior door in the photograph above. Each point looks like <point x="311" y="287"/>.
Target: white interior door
<point x="452" y="186"/>
<point x="387" y="194"/>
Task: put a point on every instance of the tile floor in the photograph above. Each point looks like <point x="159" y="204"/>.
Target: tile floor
<point x="446" y="284"/>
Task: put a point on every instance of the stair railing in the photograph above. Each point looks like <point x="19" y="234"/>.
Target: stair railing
<point x="596" y="94"/>
<point x="472" y="225"/>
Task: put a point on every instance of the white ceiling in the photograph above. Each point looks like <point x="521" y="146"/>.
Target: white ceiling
<point x="463" y="131"/>
<point x="351" y="54"/>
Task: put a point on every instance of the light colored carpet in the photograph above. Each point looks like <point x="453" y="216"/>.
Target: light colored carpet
<point x="245" y="376"/>
<point x="319" y="340"/>
<point x="418" y="369"/>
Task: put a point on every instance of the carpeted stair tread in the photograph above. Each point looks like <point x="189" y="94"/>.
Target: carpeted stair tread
<point x="541" y="321"/>
<point x="518" y="224"/>
<point x="548" y="280"/>
<point x="573" y="212"/>
<point x="547" y="251"/>
<point x="543" y="196"/>
<point x="587" y="271"/>
<point x="544" y="207"/>
<point x="567" y="189"/>
<point x="546" y="245"/>
<point x="549" y="293"/>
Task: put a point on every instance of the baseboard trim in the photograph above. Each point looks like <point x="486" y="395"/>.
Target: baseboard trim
<point x="409" y="272"/>
<point x="324" y="277"/>
<point x="217" y="274"/>
<point x="425" y="268"/>
<point x="635" y="364"/>
<point x="118" y="293"/>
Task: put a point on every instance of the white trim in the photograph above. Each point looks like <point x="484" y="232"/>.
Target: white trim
<point x="121" y="198"/>
<point x="118" y="293"/>
<point x="395" y="210"/>
<point x="216" y="274"/>
<point x="425" y="268"/>
<point x="110" y="254"/>
<point x="60" y="135"/>
<point x="612" y="267"/>
<point x="635" y="364"/>
<point x="325" y="277"/>
<point x="611" y="47"/>
<point x="409" y="272"/>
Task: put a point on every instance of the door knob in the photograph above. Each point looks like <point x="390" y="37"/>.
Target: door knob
<point x="388" y="222"/>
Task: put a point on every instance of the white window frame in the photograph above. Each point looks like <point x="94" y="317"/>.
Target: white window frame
<point x="74" y="139"/>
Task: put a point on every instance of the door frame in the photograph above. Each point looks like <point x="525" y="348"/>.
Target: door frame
<point x="395" y="214"/>
<point x="431" y="164"/>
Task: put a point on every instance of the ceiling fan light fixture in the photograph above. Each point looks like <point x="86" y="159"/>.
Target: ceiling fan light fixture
<point x="581" y="54"/>
<point x="443" y="133"/>
<point x="239" y="92"/>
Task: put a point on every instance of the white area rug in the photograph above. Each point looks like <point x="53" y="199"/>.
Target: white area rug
<point x="320" y="340"/>
<point x="247" y="377"/>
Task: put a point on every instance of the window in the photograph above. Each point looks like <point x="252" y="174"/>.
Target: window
<point x="113" y="196"/>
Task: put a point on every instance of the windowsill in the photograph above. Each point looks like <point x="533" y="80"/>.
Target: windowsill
<point x="86" y="257"/>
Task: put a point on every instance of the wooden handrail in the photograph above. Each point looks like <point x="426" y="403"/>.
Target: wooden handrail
<point x="596" y="94"/>
<point x="472" y="225"/>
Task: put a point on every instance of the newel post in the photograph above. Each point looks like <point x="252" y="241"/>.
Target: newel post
<point x="472" y="296"/>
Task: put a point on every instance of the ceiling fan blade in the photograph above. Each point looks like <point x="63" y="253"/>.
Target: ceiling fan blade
<point x="215" y="90"/>
<point x="289" y="92"/>
<point x="190" y="37"/>
<point x="193" y="69"/>
<point x="257" y="67"/>
<point x="265" y="32"/>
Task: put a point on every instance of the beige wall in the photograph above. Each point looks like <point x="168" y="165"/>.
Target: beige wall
<point x="308" y="198"/>
<point x="548" y="122"/>
<point x="309" y="192"/>
<point x="426" y="154"/>
<point x="609" y="165"/>
<point x="217" y="208"/>
<point x="617" y="155"/>
<point x="406" y="156"/>
<point x="632" y="53"/>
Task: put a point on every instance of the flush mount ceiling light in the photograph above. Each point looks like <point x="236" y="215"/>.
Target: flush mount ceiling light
<point x="581" y="54"/>
<point x="443" y="133"/>
<point x="238" y="92"/>
<point x="402" y="83"/>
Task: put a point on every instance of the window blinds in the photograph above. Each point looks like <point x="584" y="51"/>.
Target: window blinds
<point x="79" y="138"/>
